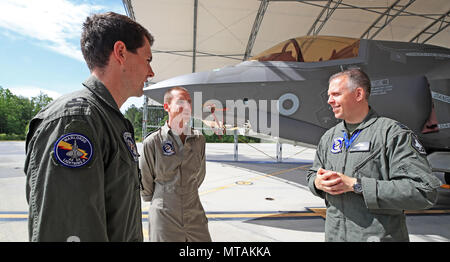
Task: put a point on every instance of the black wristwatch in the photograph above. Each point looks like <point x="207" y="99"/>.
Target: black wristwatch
<point x="357" y="187"/>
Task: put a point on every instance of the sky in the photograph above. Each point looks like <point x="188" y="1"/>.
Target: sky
<point x="40" y="45"/>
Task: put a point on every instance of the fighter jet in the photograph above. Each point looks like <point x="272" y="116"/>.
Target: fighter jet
<point x="410" y="83"/>
<point x="74" y="154"/>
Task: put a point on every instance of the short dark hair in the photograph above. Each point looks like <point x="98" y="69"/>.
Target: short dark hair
<point x="357" y="78"/>
<point x="102" y="31"/>
<point x="168" y="94"/>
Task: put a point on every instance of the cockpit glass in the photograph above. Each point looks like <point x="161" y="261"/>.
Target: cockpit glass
<point x="311" y="49"/>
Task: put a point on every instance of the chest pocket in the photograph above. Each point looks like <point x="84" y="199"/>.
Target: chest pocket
<point x="127" y="171"/>
<point x="372" y="165"/>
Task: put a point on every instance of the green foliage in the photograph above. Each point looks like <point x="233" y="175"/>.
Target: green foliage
<point x="134" y="114"/>
<point x="11" y="137"/>
<point x="16" y="112"/>
<point x="229" y="139"/>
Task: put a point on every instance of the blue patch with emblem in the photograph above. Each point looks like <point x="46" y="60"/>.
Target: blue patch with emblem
<point x="168" y="148"/>
<point x="73" y="150"/>
<point x="131" y="144"/>
<point x="336" y="147"/>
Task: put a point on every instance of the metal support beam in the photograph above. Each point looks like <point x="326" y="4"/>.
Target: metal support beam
<point x="386" y="17"/>
<point x="258" y="20"/>
<point x="443" y="21"/>
<point x="128" y="9"/>
<point x="279" y="152"/>
<point x="236" y="146"/>
<point x="194" y="45"/>
<point x="327" y="11"/>
<point x="144" y="117"/>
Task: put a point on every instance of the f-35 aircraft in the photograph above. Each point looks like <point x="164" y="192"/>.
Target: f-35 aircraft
<point x="410" y="83"/>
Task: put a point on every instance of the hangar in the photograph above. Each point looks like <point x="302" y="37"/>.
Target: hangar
<point x="199" y="35"/>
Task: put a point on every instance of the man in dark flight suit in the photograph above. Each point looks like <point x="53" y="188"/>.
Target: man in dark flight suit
<point x="83" y="178"/>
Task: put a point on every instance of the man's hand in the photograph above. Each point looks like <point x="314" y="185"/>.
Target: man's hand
<point x="333" y="183"/>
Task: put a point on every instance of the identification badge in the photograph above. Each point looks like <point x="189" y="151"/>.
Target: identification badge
<point x="73" y="150"/>
<point x="337" y="145"/>
<point x="360" y="147"/>
<point x="168" y="148"/>
<point x="129" y="141"/>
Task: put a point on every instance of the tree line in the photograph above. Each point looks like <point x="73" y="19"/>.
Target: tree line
<point x="16" y="113"/>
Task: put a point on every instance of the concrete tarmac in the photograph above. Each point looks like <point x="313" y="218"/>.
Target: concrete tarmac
<point x="253" y="200"/>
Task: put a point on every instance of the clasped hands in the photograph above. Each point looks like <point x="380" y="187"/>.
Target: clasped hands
<point x="333" y="183"/>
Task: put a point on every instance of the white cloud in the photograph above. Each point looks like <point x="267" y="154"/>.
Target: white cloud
<point x="55" y="24"/>
<point x="32" y="91"/>
<point x="137" y="101"/>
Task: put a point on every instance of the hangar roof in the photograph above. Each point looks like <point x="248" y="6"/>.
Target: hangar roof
<point x="200" y="35"/>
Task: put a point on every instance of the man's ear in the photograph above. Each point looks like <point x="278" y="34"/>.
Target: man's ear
<point x="119" y="52"/>
<point x="360" y="94"/>
<point x="166" y="107"/>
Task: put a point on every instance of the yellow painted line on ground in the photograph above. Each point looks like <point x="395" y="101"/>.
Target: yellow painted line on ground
<point x="262" y="215"/>
<point x="323" y="211"/>
<point x="13" y="215"/>
<point x="313" y="212"/>
<point x="254" y="179"/>
<point x="430" y="211"/>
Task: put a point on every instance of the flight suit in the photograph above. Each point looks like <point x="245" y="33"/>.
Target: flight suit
<point x="83" y="178"/>
<point x="171" y="175"/>
<point x="395" y="176"/>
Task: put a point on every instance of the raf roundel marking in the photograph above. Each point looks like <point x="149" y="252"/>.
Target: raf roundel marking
<point x="73" y="150"/>
<point x="294" y="107"/>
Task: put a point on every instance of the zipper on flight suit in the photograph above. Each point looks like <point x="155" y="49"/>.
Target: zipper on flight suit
<point x="141" y="186"/>
<point x="347" y="144"/>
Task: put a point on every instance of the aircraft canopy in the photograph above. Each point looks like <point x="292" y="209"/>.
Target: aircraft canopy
<point x="311" y="49"/>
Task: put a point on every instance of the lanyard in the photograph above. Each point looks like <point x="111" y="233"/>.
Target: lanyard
<point x="349" y="142"/>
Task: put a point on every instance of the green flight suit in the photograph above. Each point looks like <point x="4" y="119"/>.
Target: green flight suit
<point x="83" y="178"/>
<point x="172" y="172"/>
<point x="395" y="176"/>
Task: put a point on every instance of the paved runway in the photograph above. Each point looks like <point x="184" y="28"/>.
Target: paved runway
<point x="253" y="200"/>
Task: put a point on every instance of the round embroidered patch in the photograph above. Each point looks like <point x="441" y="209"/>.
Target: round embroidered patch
<point x="129" y="141"/>
<point x="337" y="145"/>
<point x="168" y="148"/>
<point x="73" y="150"/>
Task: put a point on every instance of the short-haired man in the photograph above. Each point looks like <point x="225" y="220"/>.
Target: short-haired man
<point x="82" y="168"/>
<point x="173" y="168"/>
<point x="368" y="168"/>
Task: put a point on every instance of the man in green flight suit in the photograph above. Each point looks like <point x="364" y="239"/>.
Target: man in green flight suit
<point x="369" y="169"/>
<point x="83" y="178"/>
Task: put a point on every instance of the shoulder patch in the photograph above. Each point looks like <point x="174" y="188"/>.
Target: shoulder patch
<point x="73" y="150"/>
<point x="415" y="143"/>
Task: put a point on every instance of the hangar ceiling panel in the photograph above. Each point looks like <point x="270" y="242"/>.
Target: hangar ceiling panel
<point x="223" y="28"/>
